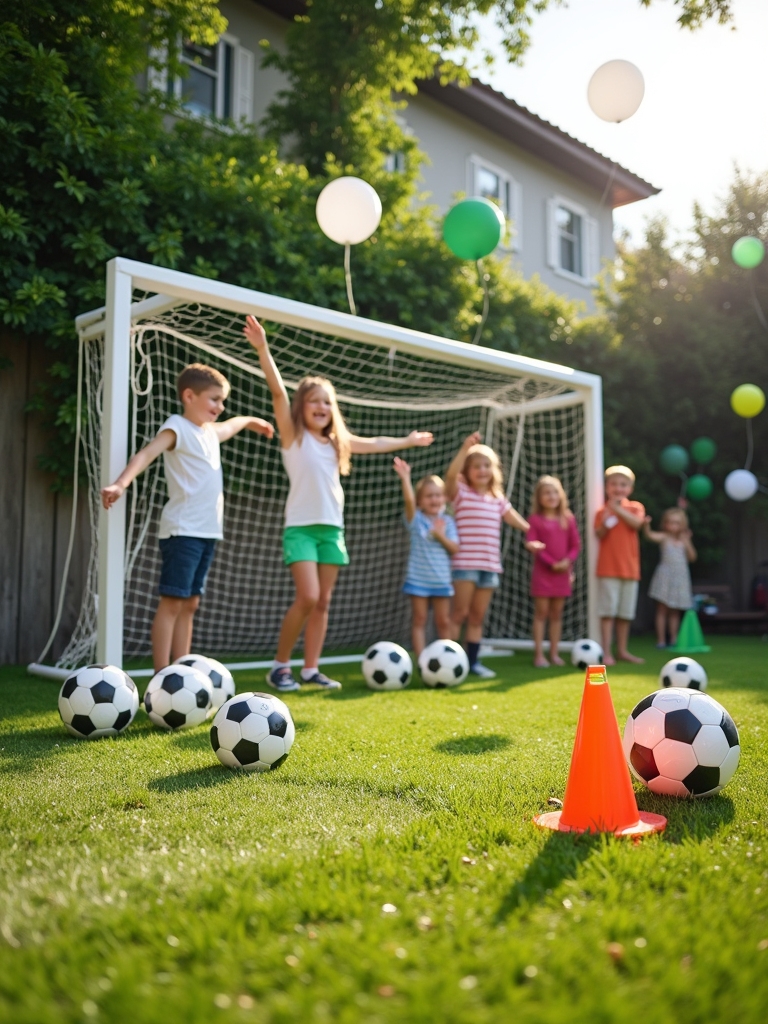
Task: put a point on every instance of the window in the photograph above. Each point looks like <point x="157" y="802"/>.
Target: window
<point x="218" y="81"/>
<point x="574" y="240"/>
<point x="395" y="162"/>
<point x="491" y="182"/>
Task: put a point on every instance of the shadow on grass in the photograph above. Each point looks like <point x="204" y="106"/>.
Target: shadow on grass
<point x="477" y="744"/>
<point x="559" y="858"/>
<point x="689" y="819"/>
<point x="195" y="778"/>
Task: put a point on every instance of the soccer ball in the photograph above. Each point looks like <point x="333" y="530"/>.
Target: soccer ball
<point x="585" y="653"/>
<point x="253" y="731"/>
<point x="683" y="672"/>
<point x="221" y="678"/>
<point x="97" y="701"/>
<point x="443" y="663"/>
<point x="681" y="743"/>
<point x="178" y="696"/>
<point x="387" y="666"/>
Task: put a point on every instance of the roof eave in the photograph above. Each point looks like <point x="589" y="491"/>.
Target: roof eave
<point x="504" y="117"/>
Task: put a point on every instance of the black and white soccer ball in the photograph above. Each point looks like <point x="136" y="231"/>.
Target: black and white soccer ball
<point x="100" y="700"/>
<point x="178" y="697"/>
<point x="387" y="666"/>
<point x="681" y="743"/>
<point x="683" y="672"/>
<point x="443" y="663"/>
<point x="221" y="678"/>
<point x="585" y="653"/>
<point x="253" y="731"/>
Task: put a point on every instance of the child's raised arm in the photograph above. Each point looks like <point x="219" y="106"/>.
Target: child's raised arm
<point x="513" y="518"/>
<point x="371" y="445"/>
<point x="403" y="470"/>
<point x="164" y="442"/>
<point x="656" y="536"/>
<point x="256" y="335"/>
<point x="452" y="475"/>
<point x="690" y="551"/>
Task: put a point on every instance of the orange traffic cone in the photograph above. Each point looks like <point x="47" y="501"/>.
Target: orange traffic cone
<point x="599" y="795"/>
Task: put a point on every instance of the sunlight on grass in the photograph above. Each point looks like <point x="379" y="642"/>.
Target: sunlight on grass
<point x="143" y="882"/>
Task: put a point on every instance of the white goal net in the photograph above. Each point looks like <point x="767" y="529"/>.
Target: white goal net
<point x="536" y="423"/>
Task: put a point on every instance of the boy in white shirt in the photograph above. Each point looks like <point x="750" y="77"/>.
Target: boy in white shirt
<point x="193" y="518"/>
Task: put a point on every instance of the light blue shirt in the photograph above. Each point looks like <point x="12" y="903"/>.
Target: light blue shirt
<point x="429" y="564"/>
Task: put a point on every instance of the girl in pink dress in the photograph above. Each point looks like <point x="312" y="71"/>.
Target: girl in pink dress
<point x="553" y="539"/>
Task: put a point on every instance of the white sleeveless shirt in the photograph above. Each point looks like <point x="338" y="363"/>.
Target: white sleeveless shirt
<point x="315" y="497"/>
<point x="195" y="506"/>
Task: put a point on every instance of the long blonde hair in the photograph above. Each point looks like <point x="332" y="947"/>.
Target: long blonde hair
<point x="336" y="430"/>
<point x="482" y="450"/>
<point x="563" y="509"/>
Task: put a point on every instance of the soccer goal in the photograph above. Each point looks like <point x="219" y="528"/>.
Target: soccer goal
<point x="540" y="417"/>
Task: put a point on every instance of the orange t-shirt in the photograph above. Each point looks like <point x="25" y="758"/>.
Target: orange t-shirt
<point x="619" y="554"/>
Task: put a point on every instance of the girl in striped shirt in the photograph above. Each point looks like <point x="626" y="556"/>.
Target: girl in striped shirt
<point x="473" y="484"/>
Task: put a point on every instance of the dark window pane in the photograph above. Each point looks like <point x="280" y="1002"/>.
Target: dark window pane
<point x="198" y="92"/>
<point x="203" y="56"/>
<point x="228" y="80"/>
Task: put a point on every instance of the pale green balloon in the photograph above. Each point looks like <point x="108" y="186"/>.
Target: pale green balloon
<point x="748" y="252"/>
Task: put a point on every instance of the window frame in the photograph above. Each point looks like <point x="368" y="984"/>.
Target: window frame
<point x="512" y="207"/>
<point x="590" y="238"/>
<point x="232" y="61"/>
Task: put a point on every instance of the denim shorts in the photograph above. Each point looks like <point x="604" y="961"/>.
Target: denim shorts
<point x="480" y="577"/>
<point x="186" y="561"/>
<point x="419" y="590"/>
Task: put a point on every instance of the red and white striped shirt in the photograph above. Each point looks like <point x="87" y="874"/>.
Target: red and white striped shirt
<point x="478" y="520"/>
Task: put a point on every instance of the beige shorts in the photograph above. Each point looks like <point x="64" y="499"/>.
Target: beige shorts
<point x="616" y="599"/>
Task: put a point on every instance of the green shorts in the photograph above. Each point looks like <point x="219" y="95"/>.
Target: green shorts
<point x="323" y="544"/>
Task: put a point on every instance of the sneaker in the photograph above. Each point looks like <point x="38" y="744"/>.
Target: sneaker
<point x="281" y="679"/>
<point x="478" y="669"/>
<point x="319" y="679"/>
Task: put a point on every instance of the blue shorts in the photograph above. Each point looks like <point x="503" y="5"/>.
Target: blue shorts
<point x="480" y="577"/>
<point x="186" y="561"/>
<point x="418" y="590"/>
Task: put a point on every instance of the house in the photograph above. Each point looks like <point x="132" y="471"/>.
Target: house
<point x="557" y="193"/>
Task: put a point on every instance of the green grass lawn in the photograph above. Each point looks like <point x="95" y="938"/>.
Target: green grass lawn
<point x="143" y="882"/>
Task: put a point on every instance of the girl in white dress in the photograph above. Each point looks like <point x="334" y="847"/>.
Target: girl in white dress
<point x="671" y="582"/>
<point x="316" y="447"/>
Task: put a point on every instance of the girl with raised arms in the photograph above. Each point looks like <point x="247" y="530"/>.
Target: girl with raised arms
<point x="316" y="447"/>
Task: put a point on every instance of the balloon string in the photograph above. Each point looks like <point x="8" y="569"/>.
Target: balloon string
<point x="758" y="307"/>
<point x="348" y="279"/>
<point x="486" y="303"/>
<point x="608" y="184"/>
<point x="750" y="445"/>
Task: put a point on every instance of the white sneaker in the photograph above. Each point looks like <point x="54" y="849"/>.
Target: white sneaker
<point x="481" y="670"/>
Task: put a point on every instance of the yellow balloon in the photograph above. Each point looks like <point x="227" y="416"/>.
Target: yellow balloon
<point x="748" y="400"/>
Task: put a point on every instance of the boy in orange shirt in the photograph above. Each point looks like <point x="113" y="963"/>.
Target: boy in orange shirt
<point x="617" y="526"/>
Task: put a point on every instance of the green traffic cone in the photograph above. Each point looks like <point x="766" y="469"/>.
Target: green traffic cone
<point x="690" y="639"/>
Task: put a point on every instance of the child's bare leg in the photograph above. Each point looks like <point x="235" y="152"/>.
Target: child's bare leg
<point x="606" y="636"/>
<point x="305" y="577"/>
<point x="181" y="642"/>
<point x="441" y="613"/>
<point x="622" y="639"/>
<point x="555" y="628"/>
<point x="674" y="625"/>
<point x="163" y="626"/>
<point x="477" y="611"/>
<point x="317" y="623"/>
<point x="464" y="591"/>
<point x="540" y="615"/>
<point x="419" y="615"/>
<point x="661" y="624"/>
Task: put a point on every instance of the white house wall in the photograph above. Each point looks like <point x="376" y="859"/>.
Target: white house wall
<point x="251" y="23"/>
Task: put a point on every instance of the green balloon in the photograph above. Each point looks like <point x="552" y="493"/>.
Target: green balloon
<point x="473" y="228"/>
<point x="698" y="487"/>
<point x="703" y="450"/>
<point x="674" y="458"/>
<point x="748" y="252"/>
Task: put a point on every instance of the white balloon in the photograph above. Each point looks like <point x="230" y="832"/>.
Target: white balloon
<point x="615" y="91"/>
<point x="741" y="485"/>
<point x="348" y="210"/>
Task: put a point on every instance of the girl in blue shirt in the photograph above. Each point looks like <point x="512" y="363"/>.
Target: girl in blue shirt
<point x="434" y="541"/>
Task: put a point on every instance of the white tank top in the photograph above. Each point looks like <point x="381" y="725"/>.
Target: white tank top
<point x="316" y="497"/>
<point x="195" y="506"/>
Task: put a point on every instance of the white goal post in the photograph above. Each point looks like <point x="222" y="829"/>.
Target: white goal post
<point x="540" y="416"/>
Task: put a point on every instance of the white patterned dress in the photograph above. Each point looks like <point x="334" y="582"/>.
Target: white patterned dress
<point x="671" y="581"/>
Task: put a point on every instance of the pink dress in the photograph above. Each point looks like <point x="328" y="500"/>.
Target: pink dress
<point x="561" y="542"/>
